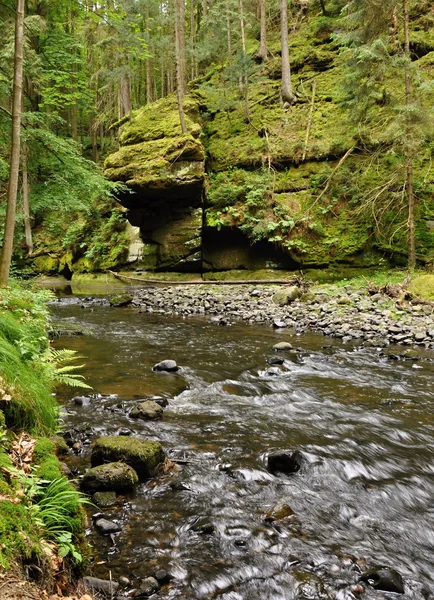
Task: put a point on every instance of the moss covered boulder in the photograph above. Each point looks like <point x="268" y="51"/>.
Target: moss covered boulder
<point x="148" y="410"/>
<point x="144" y="456"/>
<point x="111" y="477"/>
<point x="423" y="287"/>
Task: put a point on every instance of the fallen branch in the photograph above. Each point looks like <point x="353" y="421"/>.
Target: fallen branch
<point x="207" y="282"/>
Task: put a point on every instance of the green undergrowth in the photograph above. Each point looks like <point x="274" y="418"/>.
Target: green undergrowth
<point x="41" y="513"/>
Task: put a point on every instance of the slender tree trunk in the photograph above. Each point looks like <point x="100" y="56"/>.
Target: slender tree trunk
<point x="244" y="77"/>
<point x="263" y="22"/>
<point x="125" y="94"/>
<point x="409" y="149"/>
<point x="192" y="41"/>
<point x="228" y="31"/>
<point x="26" y="207"/>
<point x="148" y="65"/>
<point x="74" y="122"/>
<point x="286" y="91"/>
<point x="323" y="8"/>
<point x="180" y="59"/>
<point x="9" y="229"/>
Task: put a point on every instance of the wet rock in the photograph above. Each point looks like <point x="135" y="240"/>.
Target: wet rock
<point x="279" y="324"/>
<point x="104" y="499"/>
<point x="203" y="526"/>
<point x="121" y="300"/>
<point x="162" y="576"/>
<point x="144" y="456"/>
<point x="279" y="512"/>
<point x="284" y="462"/>
<point x="163" y="402"/>
<point x="125" y="431"/>
<point x="166" y="365"/>
<point x="275" y="360"/>
<point x="282" y="346"/>
<point x="384" y="579"/>
<point x="147" y="587"/>
<point x="107" y="527"/>
<point x="124" y="581"/>
<point x="115" y="476"/>
<point x="103" y="586"/>
<point x="81" y="400"/>
<point x="147" y="410"/>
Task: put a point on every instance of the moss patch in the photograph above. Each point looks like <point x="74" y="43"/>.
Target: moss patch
<point x="422" y="286"/>
<point x="143" y="456"/>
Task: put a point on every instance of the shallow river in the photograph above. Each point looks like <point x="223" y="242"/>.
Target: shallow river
<point x="365" y="426"/>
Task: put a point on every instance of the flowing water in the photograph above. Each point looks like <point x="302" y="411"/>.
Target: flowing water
<point x="364" y="424"/>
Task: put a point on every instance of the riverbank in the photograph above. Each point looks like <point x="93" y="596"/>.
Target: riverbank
<point x="42" y="521"/>
<point x="354" y="311"/>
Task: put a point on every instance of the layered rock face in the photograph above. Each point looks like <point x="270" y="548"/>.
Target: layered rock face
<point x="164" y="171"/>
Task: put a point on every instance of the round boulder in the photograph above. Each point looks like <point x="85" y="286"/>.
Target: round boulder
<point x="111" y="477"/>
<point x="282" y="346"/>
<point x="166" y="365"/>
<point x="148" y="410"/>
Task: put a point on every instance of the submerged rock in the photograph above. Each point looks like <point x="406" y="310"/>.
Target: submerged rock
<point x="105" y="587"/>
<point x="111" y="477"/>
<point x="148" y="587"/>
<point x="147" y="410"/>
<point x="384" y="579"/>
<point x="121" y="300"/>
<point x="166" y="365"/>
<point x="279" y="512"/>
<point x="284" y="462"/>
<point x="104" y="499"/>
<point x="144" y="456"/>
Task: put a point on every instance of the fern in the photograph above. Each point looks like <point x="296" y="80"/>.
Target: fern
<point x="62" y="372"/>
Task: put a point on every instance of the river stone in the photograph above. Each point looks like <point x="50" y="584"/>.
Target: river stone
<point x="121" y="300"/>
<point x="148" y="587"/>
<point x="113" y="477"/>
<point x="282" y="346"/>
<point x="287" y="295"/>
<point x="104" y="499"/>
<point x="144" y="456"/>
<point x="284" y="462"/>
<point x="278" y="324"/>
<point x="279" y="512"/>
<point x="147" y="410"/>
<point x="103" y="586"/>
<point x="166" y="365"/>
<point x="275" y="360"/>
<point x="81" y="400"/>
<point x="107" y="527"/>
<point x="384" y="579"/>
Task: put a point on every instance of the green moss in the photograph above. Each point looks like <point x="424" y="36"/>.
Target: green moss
<point x="46" y="264"/>
<point x="19" y="535"/>
<point x="143" y="456"/>
<point x="422" y="286"/>
<point x="44" y="456"/>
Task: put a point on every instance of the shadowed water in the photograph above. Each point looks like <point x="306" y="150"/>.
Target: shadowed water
<point x="364" y="424"/>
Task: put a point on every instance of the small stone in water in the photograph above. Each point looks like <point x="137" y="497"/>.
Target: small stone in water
<point x="162" y="576"/>
<point x="124" y="581"/>
<point x="279" y="324"/>
<point x="284" y="462"/>
<point x="384" y="579"/>
<point x="148" y="587"/>
<point x="275" y="360"/>
<point x="282" y="346"/>
<point x="166" y="365"/>
<point x="107" y="527"/>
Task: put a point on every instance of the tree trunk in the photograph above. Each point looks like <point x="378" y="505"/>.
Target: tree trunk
<point x="263" y="21"/>
<point x="125" y="94"/>
<point x="286" y="91"/>
<point x="409" y="149"/>
<point x="245" y="76"/>
<point x="192" y="41"/>
<point x="26" y="207"/>
<point x="180" y="59"/>
<point x="9" y="229"/>
<point x="228" y="31"/>
<point x="323" y="8"/>
<point x="148" y="65"/>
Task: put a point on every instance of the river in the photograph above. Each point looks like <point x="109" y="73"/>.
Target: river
<point x="364" y="424"/>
